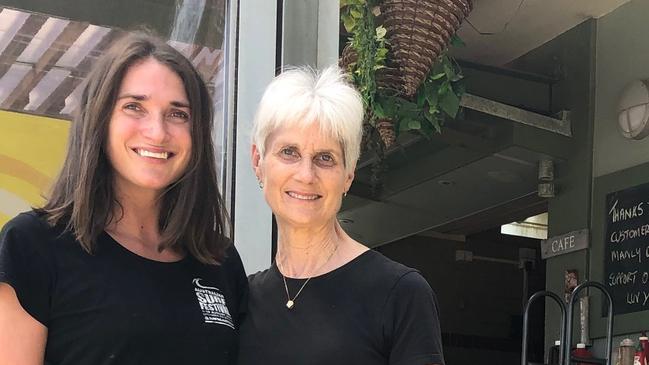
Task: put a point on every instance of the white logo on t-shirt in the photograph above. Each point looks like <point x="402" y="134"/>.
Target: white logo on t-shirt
<point x="212" y="304"/>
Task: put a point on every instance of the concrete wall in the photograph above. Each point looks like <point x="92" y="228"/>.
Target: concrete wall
<point x="622" y="57"/>
<point x="569" y="57"/>
<point x="594" y="61"/>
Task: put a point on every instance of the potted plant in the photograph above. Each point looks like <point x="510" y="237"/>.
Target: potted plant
<point x="397" y="59"/>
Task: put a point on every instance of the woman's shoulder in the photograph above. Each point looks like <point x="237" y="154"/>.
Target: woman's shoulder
<point x="382" y="266"/>
<point x="25" y="247"/>
<point x="232" y="260"/>
<point x="261" y="278"/>
<point x="380" y="272"/>
<point x="31" y="232"/>
<point x="29" y="219"/>
<point x="28" y="224"/>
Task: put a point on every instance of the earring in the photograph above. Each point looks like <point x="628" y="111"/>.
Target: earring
<point x="261" y="184"/>
<point x="344" y="194"/>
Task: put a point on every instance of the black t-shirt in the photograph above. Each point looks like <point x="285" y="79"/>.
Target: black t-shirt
<point x="370" y="311"/>
<point x="115" y="307"/>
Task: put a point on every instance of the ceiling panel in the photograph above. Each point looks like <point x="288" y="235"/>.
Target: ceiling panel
<point x="512" y="28"/>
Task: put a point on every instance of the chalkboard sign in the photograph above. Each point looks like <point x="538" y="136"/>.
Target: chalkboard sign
<point x="626" y="259"/>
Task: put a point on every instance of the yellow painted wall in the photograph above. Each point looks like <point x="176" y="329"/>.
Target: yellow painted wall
<point x="32" y="149"/>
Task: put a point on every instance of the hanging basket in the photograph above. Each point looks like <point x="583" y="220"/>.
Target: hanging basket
<point x="388" y="136"/>
<point x="349" y="57"/>
<point x="418" y="32"/>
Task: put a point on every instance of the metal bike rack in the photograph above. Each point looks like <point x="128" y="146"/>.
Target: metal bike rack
<point x="609" y="332"/>
<point x="565" y="358"/>
<point x="562" y="307"/>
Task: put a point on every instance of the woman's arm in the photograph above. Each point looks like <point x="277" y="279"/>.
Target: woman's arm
<point x="22" y="338"/>
<point x="412" y="323"/>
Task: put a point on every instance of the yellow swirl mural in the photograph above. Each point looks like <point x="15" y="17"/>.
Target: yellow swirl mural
<point x="32" y="149"/>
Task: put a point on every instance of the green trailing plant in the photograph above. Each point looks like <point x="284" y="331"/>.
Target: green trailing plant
<point x="438" y="97"/>
<point x="368" y="43"/>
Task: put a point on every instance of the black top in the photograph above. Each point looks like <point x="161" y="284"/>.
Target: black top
<point x="370" y="311"/>
<point x="115" y="307"/>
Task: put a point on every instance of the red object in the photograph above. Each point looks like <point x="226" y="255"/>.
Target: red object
<point x="582" y="351"/>
<point x="644" y="345"/>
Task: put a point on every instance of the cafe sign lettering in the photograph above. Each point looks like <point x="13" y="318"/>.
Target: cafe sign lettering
<point x="565" y="243"/>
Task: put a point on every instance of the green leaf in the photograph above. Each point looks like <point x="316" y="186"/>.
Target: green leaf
<point x="437" y="126"/>
<point x="349" y="23"/>
<point x="424" y="88"/>
<point x="446" y="61"/>
<point x="378" y="111"/>
<point x="433" y="121"/>
<point x="403" y="125"/>
<point x="381" y="54"/>
<point x="450" y="103"/>
<point x="438" y="76"/>
<point x="408" y="106"/>
<point x="380" y="32"/>
<point x="432" y="99"/>
<point x="443" y="88"/>
<point x="421" y="99"/>
<point x="351" y="2"/>
<point x="438" y="68"/>
<point x="355" y="13"/>
<point x="414" y="124"/>
<point x="428" y="116"/>
<point x="449" y="71"/>
<point x="456" y="41"/>
<point x="426" y="130"/>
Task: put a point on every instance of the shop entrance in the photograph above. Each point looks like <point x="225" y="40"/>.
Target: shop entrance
<point x="482" y="279"/>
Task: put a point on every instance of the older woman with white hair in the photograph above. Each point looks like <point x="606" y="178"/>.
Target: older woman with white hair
<point x="327" y="299"/>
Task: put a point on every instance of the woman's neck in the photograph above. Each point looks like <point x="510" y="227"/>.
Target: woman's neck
<point x="307" y="252"/>
<point x="135" y="222"/>
<point x="135" y="226"/>
<point x="136" y="213"/>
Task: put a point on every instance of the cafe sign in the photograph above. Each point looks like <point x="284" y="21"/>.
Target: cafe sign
<point x="565" y="243"/>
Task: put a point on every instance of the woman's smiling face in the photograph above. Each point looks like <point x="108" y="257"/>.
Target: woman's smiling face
<point x="149" y="133"/>
<point x="303" y="175"/>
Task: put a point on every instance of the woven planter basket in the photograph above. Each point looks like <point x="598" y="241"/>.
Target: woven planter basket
<point x="348" y="57"/>
<point x="418" y="32"/>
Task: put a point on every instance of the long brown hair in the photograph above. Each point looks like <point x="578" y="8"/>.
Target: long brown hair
<point x="192" y="216"/>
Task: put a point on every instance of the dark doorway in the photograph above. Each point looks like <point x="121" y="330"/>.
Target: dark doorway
<point x="481" y="284"/>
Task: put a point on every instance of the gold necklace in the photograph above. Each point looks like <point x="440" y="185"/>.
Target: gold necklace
<point x="290" y="303"/>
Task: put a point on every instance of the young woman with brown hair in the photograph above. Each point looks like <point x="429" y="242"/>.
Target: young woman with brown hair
<point x="128" y="261"/>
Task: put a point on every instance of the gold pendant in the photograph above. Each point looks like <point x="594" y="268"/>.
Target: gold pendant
<point x="290" y="304"/>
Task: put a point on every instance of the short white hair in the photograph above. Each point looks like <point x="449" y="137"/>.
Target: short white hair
<point x="302" y="96"/>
